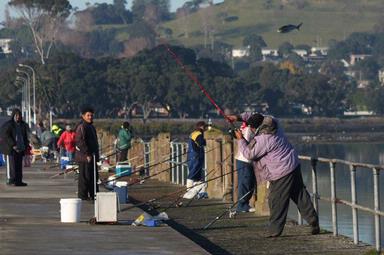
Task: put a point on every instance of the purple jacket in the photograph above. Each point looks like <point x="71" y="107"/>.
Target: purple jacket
<point x="274" y="156"/>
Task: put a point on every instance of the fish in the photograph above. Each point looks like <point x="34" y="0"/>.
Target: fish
<point x="288" y="28"/>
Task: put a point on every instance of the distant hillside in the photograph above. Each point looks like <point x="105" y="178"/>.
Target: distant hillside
<point x="322" y="20"/>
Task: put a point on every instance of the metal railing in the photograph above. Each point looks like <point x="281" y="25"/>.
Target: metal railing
<point x="179" y="169"/>
<point x="334" y="200"/>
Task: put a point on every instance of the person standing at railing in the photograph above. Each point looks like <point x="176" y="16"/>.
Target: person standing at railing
<point x="195" y="159"/>
<point x="278" y="163"/>
<point x="246" y="179"/>
<point x="123" y="142"/>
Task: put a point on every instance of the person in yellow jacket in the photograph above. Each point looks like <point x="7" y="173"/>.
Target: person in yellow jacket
<point x="195" y="159"/>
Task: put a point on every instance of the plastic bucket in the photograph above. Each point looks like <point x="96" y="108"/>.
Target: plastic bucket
<point x="121" y="189"/>
<point x="70" y="209"/>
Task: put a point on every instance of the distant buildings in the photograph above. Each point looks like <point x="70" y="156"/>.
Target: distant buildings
<point x="5" y="45"/>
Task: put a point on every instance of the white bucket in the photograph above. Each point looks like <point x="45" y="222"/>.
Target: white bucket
<point x="70" y="209"/>
<point x="121" y="189"/>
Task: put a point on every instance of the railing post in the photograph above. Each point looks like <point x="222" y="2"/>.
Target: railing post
<point x="355" y="225"/>
<point x="183" y="177"/>
<point x="333" y="198"/>
<point x="147" y="156"/>
<point x="376" y="193"/>
<point x="178" y="160"/>
<point x="8" y="169"/>
<point x="172" y="162"/>
<point x="314" y="185"/>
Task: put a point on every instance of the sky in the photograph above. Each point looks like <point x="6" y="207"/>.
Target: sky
<point x="81" y="4"/>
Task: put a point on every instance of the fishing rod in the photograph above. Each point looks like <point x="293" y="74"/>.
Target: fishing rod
<point x="176" y="202"/>
<point x="225" y="211"/>
<point x="180" y="190"/>
<point x="190" y="201"/>
<point x="158" y="163"/>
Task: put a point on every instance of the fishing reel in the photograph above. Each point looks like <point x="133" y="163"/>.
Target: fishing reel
<point x="232" y="132"/>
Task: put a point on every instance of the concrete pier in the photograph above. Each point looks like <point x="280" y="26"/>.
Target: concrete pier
<point x="30" y="223"/>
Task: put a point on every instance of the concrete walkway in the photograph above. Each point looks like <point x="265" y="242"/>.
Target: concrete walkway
<point x="30" y="223"/>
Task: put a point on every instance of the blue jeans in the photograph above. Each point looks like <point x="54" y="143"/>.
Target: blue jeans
<point x="246" y="182"/>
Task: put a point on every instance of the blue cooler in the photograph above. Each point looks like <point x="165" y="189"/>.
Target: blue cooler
<point x="123" y="169"/>
<point x="64" y="161"/>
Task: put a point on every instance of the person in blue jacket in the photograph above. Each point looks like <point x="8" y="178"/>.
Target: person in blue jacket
<point x="195" y="155"/>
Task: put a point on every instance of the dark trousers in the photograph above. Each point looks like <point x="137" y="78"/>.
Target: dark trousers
<point x="122" y="155"/>
<point x="86" y="181"/>
<point x="281" y="191"/>
<point x="15" y="167"/>
<point x="246" y="182"/>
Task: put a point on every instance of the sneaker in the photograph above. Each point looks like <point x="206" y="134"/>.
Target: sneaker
<point x="250" y="209"/>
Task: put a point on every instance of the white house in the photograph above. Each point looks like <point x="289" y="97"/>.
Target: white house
<point x="301" y="53"/>
<point x="269" y="52"/>
<point x="240" y="53"/>
<point x="322" y="50"/>
<point x="354" y="58"/>
<point x="5" y="45"/>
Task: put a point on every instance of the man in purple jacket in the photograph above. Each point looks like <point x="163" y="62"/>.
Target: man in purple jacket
<point x="278" y="163"/>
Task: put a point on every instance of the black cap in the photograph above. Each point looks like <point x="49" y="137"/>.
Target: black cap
<point x="255" y="120"/>
<point x="86" y="109"/>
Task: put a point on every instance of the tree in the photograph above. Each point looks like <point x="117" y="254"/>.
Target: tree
<point x="44" y="19"/>
<point x="121" y="11"/>
<point x="285" y="49"/>
<point x="255" y="42"/>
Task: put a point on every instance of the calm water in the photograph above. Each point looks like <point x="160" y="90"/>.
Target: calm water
<point x="364" y="153"/>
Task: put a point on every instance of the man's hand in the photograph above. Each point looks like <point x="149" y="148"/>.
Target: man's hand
<point x="89" y="158"/>
<point x="231" y="118"/>
<point x="238" y="134"/>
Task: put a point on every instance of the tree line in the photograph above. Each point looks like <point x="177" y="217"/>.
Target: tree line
<point x="67" y="81"/>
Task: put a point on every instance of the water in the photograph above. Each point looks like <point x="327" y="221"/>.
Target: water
<point x="355" y="152"/>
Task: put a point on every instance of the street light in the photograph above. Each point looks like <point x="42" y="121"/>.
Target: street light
<point x="34" y="89"/>
<point x="28" y="93"/>
<point x="23" y="97"/>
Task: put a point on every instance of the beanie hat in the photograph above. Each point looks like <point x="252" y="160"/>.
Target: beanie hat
<point x="255" y="120"/>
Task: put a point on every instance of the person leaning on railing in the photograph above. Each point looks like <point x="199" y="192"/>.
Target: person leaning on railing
<point x="278" y="163"/>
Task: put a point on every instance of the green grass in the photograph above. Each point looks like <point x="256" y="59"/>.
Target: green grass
<point x="322" y="20"/>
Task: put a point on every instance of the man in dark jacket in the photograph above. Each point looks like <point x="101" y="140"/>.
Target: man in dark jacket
<point x="13" y="142"/>
<point x="87" y="150"/>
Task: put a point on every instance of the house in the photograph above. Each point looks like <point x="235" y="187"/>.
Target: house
<point x="301" y="53"/>
<point x="5" y="45"/>
<point x="381" y="77"/>
<point x="269" y="52"/>
<point x="240" y="53"/>
<point x="354" y="58"/>
<point x="319" y="51"/>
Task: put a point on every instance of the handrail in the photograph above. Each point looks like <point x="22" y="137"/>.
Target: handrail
<point x="353" y="166"/>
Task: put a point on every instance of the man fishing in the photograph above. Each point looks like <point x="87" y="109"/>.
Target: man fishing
<point x="278" y="163"/>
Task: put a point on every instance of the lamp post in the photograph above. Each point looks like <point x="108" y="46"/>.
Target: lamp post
<point x="24" y="96"/>
<point x="28" y="93"/>
<point x="34" y="89"/>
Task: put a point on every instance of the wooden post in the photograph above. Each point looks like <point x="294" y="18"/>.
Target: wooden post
<point x="228" y="167"/>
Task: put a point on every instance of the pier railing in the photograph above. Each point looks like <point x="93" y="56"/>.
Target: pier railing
<point x="353" y="204"/>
